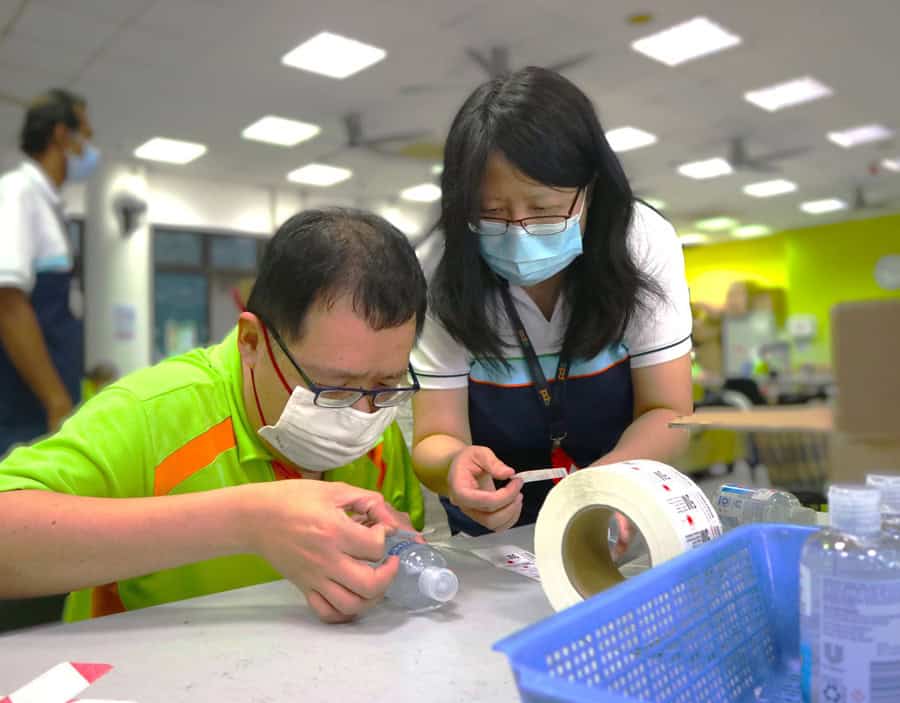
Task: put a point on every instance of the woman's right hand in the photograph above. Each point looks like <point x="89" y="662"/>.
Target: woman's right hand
<point x="472" y="489"/>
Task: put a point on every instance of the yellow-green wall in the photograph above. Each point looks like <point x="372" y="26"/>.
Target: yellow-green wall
<point x="711" y="269"/>
<point x="817" y="266"/>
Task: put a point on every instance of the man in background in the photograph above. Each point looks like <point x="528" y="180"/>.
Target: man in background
<point x="41" y="340"/>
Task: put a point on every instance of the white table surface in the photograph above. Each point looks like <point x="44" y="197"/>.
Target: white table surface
<point x="263" y="644"/>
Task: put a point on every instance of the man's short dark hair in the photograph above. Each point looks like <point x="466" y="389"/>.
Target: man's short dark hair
<point x="54" y="107"/>
<point x="321" y="255"/>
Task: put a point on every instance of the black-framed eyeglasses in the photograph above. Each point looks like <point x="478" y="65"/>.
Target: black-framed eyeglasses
<point x="343" y="396"/>
<point x="541" y="226"/>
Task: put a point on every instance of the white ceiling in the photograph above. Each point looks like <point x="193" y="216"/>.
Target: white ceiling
<point x="202" y="70"/>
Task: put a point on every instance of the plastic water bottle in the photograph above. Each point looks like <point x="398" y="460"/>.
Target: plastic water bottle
<point x="890" y="502"/>
<point x="737" y="505"/>
<point x="423" y="581"/>
<point x="850" y="604"/>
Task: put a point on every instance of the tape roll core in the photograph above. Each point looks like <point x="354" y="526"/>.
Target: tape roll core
<point x="585" y="553"/>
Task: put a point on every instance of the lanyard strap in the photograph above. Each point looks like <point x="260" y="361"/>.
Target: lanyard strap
<point x="551" y="402"/>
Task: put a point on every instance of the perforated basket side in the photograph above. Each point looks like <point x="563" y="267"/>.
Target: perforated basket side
<point x="707" y="627"/>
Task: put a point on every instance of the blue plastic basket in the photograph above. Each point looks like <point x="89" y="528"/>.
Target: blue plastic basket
<point x="718" y="624"/>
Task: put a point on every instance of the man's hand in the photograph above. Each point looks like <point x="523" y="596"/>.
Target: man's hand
<point x="323" y="537"/>
<point x="472" y="489"/>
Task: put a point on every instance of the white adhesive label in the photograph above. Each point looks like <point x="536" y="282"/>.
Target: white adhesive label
<point x="510" y="558"/>
<point x="57" y="685"/>
<point x="687" y="507"/>
<point x="541" y="474"/>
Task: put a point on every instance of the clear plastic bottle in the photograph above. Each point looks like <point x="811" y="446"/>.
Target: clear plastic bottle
<point x="737" y="505"/>
<point x="850" y="604"/>
<point x="890" y="502"/>
<point x="423" y="581"/>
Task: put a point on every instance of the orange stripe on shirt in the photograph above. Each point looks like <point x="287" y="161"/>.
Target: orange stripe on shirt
<point x="193" y="456"/>
<point x="105" y="600"/>
<point x="377" y="457"/>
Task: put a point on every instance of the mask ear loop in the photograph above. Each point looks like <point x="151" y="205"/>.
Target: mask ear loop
<point x="585" y="203"/>
<point x="259" y="409"/>
<point x="277" y="371"/>
<point x="275" y="363"/>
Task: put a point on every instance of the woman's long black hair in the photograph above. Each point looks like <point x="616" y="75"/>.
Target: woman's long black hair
<point x="548" y="129"/>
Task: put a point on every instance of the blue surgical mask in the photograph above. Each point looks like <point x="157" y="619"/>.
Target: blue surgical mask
<point x="525" y="259"/>
<point x="80" y="167"/>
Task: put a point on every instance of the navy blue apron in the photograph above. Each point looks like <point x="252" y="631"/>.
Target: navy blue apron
<point x="22" y="417"/>
<point x="518" y="425"/>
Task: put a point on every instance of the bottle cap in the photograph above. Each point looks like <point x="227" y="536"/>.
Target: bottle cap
<point x="438" y="584"/>
<point x="890" y="491"/>
<point x="855" y="509"/>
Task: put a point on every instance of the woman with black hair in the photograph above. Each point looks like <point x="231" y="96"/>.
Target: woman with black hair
<point x="559" y="330"/>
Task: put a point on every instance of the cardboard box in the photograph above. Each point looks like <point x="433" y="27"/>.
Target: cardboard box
<point x="854" y="457"/>
<point x="866" y="355"/>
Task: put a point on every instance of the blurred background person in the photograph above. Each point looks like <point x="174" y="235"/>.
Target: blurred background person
<point x="41" y="339"/>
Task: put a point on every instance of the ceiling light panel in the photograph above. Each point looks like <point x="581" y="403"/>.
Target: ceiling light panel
<point x="686" y="41"/>
<point x="280" y="131"/>
<point x="321" y="175"/>
<point x="788" y="94"/>
<point x="333" y="55"/>
<point x="170" y="151"/>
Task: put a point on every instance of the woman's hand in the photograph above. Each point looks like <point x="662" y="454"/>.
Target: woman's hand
<point x="472" y="489"/>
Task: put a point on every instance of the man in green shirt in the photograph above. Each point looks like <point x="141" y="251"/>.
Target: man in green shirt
<point x="170" y="483"/>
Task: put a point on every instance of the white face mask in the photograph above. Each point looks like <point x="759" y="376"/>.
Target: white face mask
<point x="321" y="439"/>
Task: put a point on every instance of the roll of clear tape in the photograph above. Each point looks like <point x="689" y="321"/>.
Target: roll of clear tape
<point x="571" y="538"/>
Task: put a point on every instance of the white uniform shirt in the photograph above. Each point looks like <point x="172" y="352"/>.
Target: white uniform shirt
<point x="658" y="335"/>
<point x="33" y="238"/>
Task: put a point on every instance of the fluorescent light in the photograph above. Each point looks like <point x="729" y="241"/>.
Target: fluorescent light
<point x="333" y="55"/>
<point x="766" y="189"/>
<point x="437" y="169"/>
<point x="863" y="134"/>
<point x="693" y="239"/>
<point x="710" y="168"/>
<point x="684" y="42"/>
<point x="891" y="164"/>
<point x="820" y="207"/>
<point x="400" y="220"/>
<point x="628" y="138"/>
<point x="655" y="203"/>
<point x="750" y="231"/>
<point x="280" y="131"/>
<point x="716" y="224"/>
<point x="319" y="175"/>
<point x="787" y="94"/>
<point x="170" y="151"/>
<point x="422" y="193"/>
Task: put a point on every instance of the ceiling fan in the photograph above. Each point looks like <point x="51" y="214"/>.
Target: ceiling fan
<point x="414" y="144"/>
<point x="495" y="62"/>
<point x="741" y="160"/>
<point x="860" y="201"/>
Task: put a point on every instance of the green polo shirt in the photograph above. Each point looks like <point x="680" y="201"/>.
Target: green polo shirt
<point x="181" y="427"/>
